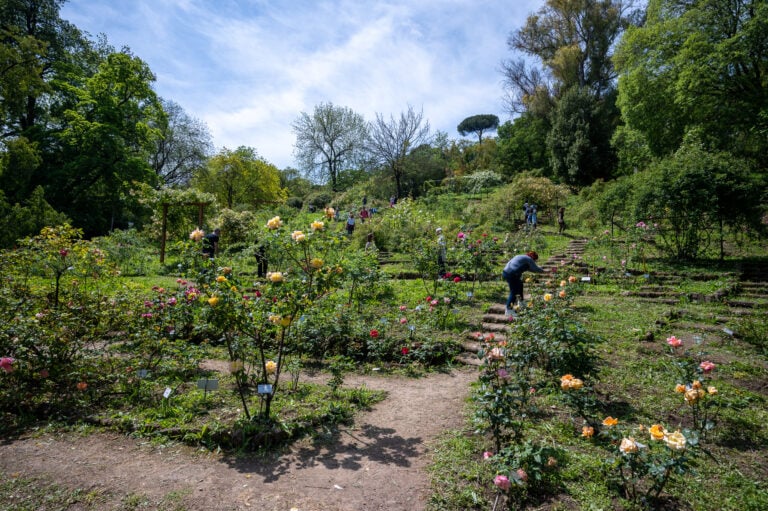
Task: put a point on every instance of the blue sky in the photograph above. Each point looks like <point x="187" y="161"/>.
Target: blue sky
<point x="248" y="68"/>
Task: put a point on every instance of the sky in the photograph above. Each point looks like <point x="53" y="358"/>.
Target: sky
<point x="249" y="68"/>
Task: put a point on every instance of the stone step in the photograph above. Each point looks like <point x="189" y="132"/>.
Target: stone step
<point x="495" y="327"/>
<point x="747" y="304"/>
<point x="470" y="359"/>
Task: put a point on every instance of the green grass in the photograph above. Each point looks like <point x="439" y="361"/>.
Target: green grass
<point x="635" y="383"/>
<point x="22" y="493"/>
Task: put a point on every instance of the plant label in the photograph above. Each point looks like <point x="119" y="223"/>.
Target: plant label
<point x="264" y="388"/>
<point x="206" y="384"/>
<point x="167" y="392"/>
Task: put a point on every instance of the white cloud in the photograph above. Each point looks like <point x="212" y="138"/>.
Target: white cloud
<point x="248" y="68"/>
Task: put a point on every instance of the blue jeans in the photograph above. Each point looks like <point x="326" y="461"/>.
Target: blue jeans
<point x="515" y="287"/>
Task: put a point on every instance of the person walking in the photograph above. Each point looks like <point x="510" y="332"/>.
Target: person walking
<point x="513" y="272"/>
<point x="351" y="223"/>
<point x="561" y="220"/>
<point x="441" y="252"/>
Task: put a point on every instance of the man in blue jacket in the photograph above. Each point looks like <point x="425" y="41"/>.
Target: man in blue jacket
<point x="513" y="272"/>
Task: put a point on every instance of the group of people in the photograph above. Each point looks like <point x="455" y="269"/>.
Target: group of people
<point x="531" y="216"/>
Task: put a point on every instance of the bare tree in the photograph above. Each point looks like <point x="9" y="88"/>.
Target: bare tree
<point x="389" y="142"/>
<point x="184" y="147"/>
<point x="329" y="141"/>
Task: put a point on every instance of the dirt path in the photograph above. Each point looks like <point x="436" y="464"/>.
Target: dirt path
<point x="378" y="464"/>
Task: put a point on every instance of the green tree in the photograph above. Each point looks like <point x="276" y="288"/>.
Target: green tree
<point x="573" y="40"/>
<point x="523" y="144"/>
<point x="241" y="177"/>
<point x="389" y="142"/>
<point x="695" y="195"/>
<point x="106" y="141"/>
<point x="478" y="124"/>
<point x="698" y="65"/>
<point x="579" y="141"/>
<point x="329" y="141"/>
<point x="573" y="87"/>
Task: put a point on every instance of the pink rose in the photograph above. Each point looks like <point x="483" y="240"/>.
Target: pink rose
<point x="674" y="342"/>
<point x="487" y="454"/>
<point x="707" y="366"/>
<point x="403" y="320"/>
<point x="6" y="364"/>
<point x="502" y="482"/>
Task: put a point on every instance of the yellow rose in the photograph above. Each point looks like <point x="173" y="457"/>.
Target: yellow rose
<point x="275" y="276"/>
<point x="298" y="236"/>
<point x="696" y="384"/>
<point x="576" y="384"/>
<point x="587" y="431"/>
<point x="691" y="396"/>
<point x="712" y="390"/>
<point x="196" y="235"/>
<point x="221" y="278"/>
<point x="628" y="445"/>
<point x="547" y="297"/>
<point x="275" y="318"/>
<point x="233" y="289"/>
<point x="675" y="441"/>
<point x="317" y="225"/>
<point x="316" y="263"/>
<point x="226" y="270"/>
<point x="270" y="366"/>
<point x="329" y="212"/>
<point x="610" y="421"/>
<point x="562" y="283"/>
<point x="657" y="432"/>
<point x="285" y="321"/>
<point x="274" y="223"/>
<point x="213" y="301"/>
<point x="680" y="388"/>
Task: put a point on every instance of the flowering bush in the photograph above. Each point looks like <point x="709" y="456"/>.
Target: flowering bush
<point x="644" y="460"/>
<point x="548" y="336"/>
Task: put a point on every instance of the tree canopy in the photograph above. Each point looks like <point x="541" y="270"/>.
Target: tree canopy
<point x="478" y="124"/>
<point x="329" y="141"/>
<point x="390" y="141"/>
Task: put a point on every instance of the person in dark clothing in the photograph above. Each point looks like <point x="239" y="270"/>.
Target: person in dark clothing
<point x="513" y="272"/>
<point x="261" y="259"/>
<point x="561" y="220"/>
<point x="211" y="243"/>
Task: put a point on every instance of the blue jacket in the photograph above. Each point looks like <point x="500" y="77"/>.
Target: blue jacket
<point x="520" y="263"/>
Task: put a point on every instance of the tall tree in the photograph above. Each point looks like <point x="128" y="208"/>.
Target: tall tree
<point x="183" y="147"/>
<point x="478" y="124"/>
<point x="38" y="49"/>
<point x="579" y="141"/>
<point x="699" y="66"/>
<point x="390" y="141"/>
<point x="106" y="141"/>
<point x="241" y="177"/>
<point x="573" y="42"/>
<point x="329" y="141"/>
